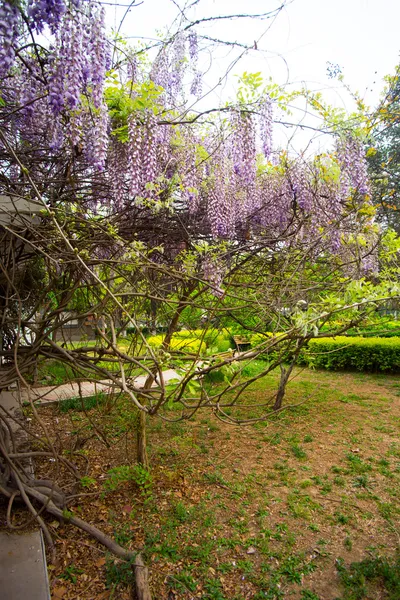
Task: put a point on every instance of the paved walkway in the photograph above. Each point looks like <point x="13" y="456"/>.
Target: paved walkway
<point x="52" y="393"/>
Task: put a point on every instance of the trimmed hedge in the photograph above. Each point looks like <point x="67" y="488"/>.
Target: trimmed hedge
<point x="359" y="353"/>
<point x="382" y="328"/>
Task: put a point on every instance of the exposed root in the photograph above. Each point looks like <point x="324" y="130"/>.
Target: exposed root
<point x="16" y="481"/>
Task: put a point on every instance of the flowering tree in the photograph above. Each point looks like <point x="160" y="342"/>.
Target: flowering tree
<point x="141" y="201"/>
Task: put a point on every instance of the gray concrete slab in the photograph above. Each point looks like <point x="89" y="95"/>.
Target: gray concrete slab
<point x="23" y="569"/>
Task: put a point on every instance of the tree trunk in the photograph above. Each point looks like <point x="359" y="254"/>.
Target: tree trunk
<point x="141" y="579"/>
<point x="281" y="389"/>
<point x="285" y="374"/>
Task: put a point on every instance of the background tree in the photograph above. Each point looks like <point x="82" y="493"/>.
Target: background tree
<point x="384" y="155"/>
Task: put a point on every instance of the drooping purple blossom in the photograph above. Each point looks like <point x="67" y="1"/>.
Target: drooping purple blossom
<point x="118" y="172"/>
<point x="97" y="153"/>
<point x="74" y="61"/>
<point x="191" y="173"/>
<point x="177" y="65"/>
<point x="266" y="126"/>
<point x="353" y="165"/>
<point x="134" y="156"/>
<point x="149" y="149"/>
<point x="213" y="273"/>
<point x="193" y="46"/>
<point x="220" y="211"/>
<point x="8" y="36"/>
<point x="132" y="68"/>
<point x="196" y="87"/>
<point x="79" y="59"/>
<point x="160" y="69"/>
<point x="99" y="53"/>
<point x="243" y="146"/>
<point x="46" y="12"/>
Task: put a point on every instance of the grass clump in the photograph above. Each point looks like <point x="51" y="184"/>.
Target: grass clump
<point x="81" y="404"/>
<point x="361" y="579"/>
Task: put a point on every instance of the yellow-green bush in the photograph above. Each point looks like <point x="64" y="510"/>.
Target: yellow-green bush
<point x="185" y="344"/>
<point x="213" y="338"/>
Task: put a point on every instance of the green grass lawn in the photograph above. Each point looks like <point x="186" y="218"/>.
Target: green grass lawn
<point x="280" y="509"/>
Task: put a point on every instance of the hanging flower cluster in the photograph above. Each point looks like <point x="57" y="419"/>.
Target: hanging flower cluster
<point x="213" y="273"/>
<point x="354" y="173"/>
<point x="244" y="146"/>
<point x="142" y="154"/>
<point x="46" y="12"/>
<point x="196" y="85"/>
<point x="79" y="60"/>
<point x="8" y="36"/>
<point x="266" y="122"/>
<point x="170" y="67"/>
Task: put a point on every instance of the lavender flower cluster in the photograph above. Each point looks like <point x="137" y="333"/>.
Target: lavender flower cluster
<point x="79" y="59"/>
<point x="8" y="36"/>
<point x="169" y="68"/>
<point x="213" y="273"/>
<point x="266" y="122"/>
<point x="244" y="146"/>
<point x="353" y="164"/>
<point x="142" y="154"/>
<point x="46" y="12"/>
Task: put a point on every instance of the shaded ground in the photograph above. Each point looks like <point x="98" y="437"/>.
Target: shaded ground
<point x="263" y="511"/>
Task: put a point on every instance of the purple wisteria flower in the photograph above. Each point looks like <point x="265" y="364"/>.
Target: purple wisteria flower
<point x="8" y="36"/>
<point x="353" y="165"/>
<point x="243" y="146"/>
<point x="97" y="153"/>
<point x="134" y="156"/>
<point x="193" y="46"/>
<point x="266" y="126"/>
<point x="99" y="52"/>
<point x="149" y="149"/>
<point x="213" y="272"/>
<point x="46" y="12"/>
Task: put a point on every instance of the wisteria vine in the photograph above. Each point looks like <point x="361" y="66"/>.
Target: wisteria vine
<point x="231" y="184"/>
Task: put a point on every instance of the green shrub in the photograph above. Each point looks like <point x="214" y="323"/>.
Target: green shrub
<point x="360" y="353"/>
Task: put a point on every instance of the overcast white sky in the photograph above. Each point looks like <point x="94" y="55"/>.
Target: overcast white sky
<point x="362" y="36"/>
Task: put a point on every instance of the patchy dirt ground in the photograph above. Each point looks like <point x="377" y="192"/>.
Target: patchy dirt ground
<point x="262" y="511"/>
